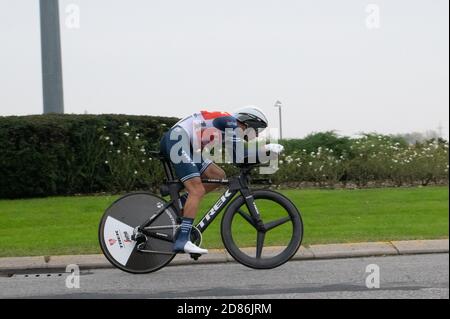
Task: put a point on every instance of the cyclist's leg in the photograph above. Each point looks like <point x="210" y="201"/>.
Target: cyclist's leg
<point x="207" y="169"/>
<point x="196" y="191"/>
<point x="188" y="173"/>
<point x="213" y="171"/>
<point x="194" y="187"/>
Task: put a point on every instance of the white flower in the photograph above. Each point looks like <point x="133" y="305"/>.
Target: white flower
<point x="118" y="151"/>
<point x="127" y="124"/>
<point x="135" y="172"/>
<point x="106" y="162"/>
<point x="107" y="138"/>
<point x="163" y="125"/>
<point x="143" y="161"/>
<point x="137" y="137"/>
<point x="126" y="134"/>
<point x="111" y="143"/>
<point x="310" y="163"/>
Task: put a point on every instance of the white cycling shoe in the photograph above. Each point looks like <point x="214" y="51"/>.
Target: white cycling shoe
<point x="190" y="248"/>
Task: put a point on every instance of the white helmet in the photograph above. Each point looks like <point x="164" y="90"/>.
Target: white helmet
<point x="251" y="116"/>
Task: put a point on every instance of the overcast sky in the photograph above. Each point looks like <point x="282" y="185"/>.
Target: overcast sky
<point x="174" y="57"/>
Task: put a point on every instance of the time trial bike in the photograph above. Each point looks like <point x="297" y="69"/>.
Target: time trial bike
<point x="137" y="231"/>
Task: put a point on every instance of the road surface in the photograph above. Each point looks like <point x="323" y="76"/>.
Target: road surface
<point x="414" y="276"/>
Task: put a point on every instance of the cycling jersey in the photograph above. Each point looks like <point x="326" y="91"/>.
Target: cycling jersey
<point x="201" y="126"/>
<point x="199" y="129"/>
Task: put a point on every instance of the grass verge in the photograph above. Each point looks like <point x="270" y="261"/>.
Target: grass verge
<point x="68" y="225"/>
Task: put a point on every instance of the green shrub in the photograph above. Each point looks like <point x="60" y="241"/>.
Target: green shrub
<point x="54" y="154"/>
<point x="331" y="140"/>
<point x="46" y="155"/>
<point x="372" y="158"/>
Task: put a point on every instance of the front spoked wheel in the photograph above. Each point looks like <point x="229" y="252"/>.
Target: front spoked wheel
<point x="269" y="246"/>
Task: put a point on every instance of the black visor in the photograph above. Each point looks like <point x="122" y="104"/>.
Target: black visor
<point x="251" y="121"/>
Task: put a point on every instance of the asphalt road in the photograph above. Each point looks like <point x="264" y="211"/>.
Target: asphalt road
<point x="415" y="276"/>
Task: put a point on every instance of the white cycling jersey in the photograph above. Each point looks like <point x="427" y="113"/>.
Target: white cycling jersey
<point x="203" y="126"/>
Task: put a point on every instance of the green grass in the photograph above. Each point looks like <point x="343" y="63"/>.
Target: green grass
<point x="68" y="225"/>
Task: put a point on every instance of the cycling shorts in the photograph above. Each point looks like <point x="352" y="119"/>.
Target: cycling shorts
<point x="187" y="168"/>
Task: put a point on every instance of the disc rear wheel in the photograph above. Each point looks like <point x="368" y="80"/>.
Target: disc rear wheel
<point x="117" y="226"/>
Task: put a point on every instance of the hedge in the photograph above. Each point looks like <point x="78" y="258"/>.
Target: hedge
<point x="46" y="155"/>
<point x="370" y="160"/>
<point x="43" y="155"/>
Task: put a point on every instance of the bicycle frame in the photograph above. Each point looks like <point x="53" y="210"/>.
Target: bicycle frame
<point x="235" y="185"/>
<point x="220" y="204"/>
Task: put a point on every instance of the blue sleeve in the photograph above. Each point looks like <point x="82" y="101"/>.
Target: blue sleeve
<point x="234" y="141"/>
<point x="224" y="122"/>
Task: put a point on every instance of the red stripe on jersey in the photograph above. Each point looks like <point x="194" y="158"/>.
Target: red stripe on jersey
<point x="213" y="115"/>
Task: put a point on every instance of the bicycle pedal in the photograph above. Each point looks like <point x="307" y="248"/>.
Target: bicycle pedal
<point x="195" y="256"/>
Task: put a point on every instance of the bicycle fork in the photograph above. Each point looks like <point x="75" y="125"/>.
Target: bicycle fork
<point x="254" y="212"/>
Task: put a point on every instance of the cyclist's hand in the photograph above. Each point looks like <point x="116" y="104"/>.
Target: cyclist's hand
<point x="275" y="148"/>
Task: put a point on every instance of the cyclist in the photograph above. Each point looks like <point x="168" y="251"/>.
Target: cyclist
<point x="186" y="138"/>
